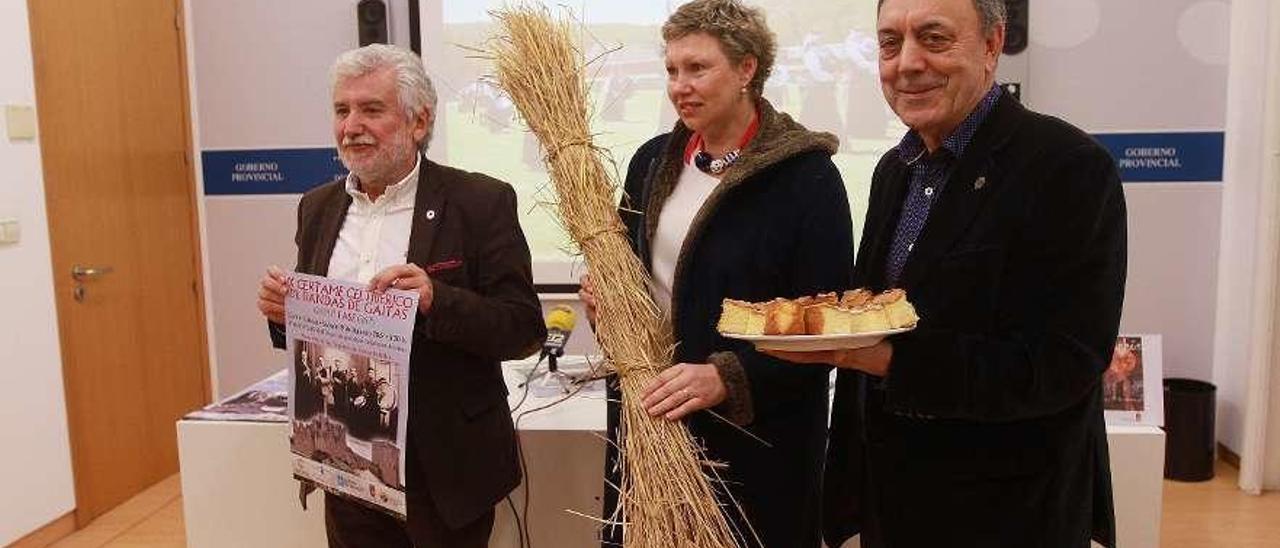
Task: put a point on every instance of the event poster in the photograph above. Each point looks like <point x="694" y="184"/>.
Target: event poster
<point x="265" y="401"/>
<point x="349" y="373"/>
<point x="1132" y="386"/>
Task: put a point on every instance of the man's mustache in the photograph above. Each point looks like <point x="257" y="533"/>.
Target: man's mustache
<point x="358" y="140"/>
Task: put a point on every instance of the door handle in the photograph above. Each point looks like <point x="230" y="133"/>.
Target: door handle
<point x="82" y="273"/>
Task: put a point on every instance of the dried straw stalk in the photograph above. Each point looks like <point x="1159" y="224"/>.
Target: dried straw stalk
<point x="667" y="498"/>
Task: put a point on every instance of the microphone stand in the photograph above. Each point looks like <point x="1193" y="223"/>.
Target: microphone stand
<point x="552" y="371"/>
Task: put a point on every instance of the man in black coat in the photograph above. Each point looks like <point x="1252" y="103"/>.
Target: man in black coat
<point x="982" y="427"/>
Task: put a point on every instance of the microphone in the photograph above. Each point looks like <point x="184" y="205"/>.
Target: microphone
<point x="560" y="322"/>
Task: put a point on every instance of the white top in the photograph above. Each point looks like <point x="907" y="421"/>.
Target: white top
<point x="375" y="234"/>
<point x="691" y="192"/>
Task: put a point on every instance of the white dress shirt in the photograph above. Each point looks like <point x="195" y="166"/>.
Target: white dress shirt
<point x="686" y="200"/>
<point x="375" y="234"/>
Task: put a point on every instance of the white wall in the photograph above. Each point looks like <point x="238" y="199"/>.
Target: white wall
<point x="35" y="470"/>
<point x="1139" y="66"/>
<point x="245" y="56"/>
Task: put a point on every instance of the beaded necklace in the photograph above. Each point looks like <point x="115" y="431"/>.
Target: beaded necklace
<point x="716" y="166"/>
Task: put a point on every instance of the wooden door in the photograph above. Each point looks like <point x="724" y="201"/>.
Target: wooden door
<point x="112" y="105"/>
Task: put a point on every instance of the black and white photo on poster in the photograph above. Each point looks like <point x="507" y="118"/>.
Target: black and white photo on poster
<point x="359" y="391"/>
<point x="348" y="354"/>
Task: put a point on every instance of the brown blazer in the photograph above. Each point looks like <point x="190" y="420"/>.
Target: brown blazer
<point x="466" y="235"/>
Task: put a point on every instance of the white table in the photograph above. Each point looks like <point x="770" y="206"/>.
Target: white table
<point x="1137" y="478"/>
<point x="563" y="449"/>
<point x="238" y="488"/>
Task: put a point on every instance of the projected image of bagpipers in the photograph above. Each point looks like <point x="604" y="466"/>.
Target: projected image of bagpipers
<point x="825" y="73"/>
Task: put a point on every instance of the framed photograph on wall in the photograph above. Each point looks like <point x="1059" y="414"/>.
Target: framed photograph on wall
<point x="1132" y="390"/>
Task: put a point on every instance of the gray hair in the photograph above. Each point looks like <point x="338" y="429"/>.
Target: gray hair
<point x="414" y="87"/>
<point x="991" y="12"/>
<point x="740" y="29"/>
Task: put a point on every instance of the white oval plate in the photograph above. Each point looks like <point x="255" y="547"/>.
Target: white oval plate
<point x="813" y="343"/>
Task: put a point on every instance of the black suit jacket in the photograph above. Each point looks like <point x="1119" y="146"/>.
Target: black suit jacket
<point x="466" y="234"/>
<point x="988" y="430"/>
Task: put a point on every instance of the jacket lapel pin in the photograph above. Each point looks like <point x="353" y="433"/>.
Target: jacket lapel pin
<point x="980" y="183"/>
<point x="430" y="214"/>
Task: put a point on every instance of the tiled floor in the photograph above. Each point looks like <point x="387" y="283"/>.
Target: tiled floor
<point x="1196" y="515"/>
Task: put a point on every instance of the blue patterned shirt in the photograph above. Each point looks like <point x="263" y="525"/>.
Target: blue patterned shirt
<point x="929" y="174"/>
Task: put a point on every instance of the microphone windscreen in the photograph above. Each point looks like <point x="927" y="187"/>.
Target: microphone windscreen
<point x="561" y="317"/>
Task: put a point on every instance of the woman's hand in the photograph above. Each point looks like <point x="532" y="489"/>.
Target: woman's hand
<point x="587" y="293"/>
<point x="682" y="389"/>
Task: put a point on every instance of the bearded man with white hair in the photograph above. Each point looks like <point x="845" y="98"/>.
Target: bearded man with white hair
<point x="401" y="221"/>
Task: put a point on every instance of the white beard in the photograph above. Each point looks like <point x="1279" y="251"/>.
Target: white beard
<point x="385" y="162"/>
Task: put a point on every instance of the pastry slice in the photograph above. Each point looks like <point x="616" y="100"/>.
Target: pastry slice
<point x="871" y="317"/>
<point x="821" y="298"/>
<point x="855" y="298"/>
<point x="898" y="309"/>
<point x="828" y="319"/>
<point x="783" y="317"/>
<point x="740" y="318"/>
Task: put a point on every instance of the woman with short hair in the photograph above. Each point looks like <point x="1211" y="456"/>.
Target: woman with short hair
<point x="738" y="201"/>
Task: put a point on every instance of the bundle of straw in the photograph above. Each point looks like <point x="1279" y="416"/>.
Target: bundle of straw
<point x="667" y="499"/>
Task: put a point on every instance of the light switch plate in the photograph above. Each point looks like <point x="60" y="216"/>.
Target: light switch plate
<point x="10" y="231"/>
<point x="21" y="121"/>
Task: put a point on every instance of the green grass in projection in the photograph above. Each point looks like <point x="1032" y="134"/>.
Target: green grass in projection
<point x="824" y="76"/>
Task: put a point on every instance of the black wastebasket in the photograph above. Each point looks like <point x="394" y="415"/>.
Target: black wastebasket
<point x="1188" y="425"/>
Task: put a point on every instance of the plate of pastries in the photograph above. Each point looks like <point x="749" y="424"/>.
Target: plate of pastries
<point x="854" y="319"/>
